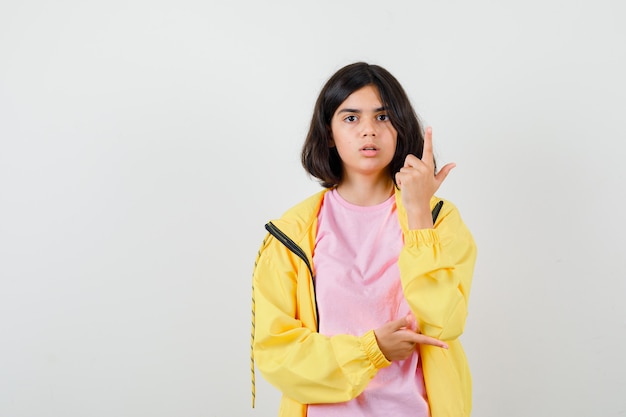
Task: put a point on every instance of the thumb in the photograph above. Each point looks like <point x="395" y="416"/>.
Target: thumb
<point x="411" y="323"/>
<point x="443" y="172"/>
<point x="398" y="324"/>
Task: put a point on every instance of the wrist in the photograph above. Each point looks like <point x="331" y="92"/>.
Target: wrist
<point x="419" y="219"/>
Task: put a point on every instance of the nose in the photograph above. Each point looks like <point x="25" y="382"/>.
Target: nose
<point x="368" y="127"/>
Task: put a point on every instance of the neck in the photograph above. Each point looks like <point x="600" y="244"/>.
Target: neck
<point x="366" y="193"/>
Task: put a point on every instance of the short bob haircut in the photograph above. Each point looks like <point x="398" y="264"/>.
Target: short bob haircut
<point x="321" y="160"/>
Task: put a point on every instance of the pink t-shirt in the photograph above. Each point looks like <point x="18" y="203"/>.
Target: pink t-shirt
<point x="358" y="289"/>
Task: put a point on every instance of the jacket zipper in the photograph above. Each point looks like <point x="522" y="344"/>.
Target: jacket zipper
<point x="291" y="245"/>
<point x="298" y="251"/>
<point x="436" y="210"/>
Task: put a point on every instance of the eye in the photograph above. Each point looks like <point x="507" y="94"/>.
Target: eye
<point x="350" y="119"/>
<point x="382" y="117"/>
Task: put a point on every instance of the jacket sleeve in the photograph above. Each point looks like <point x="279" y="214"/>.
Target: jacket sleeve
<point x="436" y="268"/>
<point x="303" y="364"/>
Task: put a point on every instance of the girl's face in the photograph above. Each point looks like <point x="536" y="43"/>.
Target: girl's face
<point x="363" y="134"/>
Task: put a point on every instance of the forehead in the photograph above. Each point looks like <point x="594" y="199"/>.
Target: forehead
<point x="363" y="98"/>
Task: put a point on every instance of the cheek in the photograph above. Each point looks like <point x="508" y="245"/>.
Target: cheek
<point x="340" y="136"/>
<point x="392" y="134"/>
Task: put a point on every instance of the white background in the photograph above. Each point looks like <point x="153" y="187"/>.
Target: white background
<point x="144" y="144"/>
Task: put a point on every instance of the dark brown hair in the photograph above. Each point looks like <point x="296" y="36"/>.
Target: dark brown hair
<point x="321" y="160"/>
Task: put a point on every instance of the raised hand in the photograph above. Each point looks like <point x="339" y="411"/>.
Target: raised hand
<point x="418" y="182"/>
<point x="397" y="341"/>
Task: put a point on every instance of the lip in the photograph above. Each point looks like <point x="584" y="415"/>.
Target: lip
<point x="369" y="150"/>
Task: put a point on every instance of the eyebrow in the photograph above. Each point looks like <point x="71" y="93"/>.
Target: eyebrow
<point x="359" y="111"/>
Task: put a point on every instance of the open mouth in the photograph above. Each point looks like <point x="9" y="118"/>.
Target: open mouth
<point x="369" y="151"/>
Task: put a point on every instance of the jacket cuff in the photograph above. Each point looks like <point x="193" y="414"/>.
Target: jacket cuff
<point x="421" y="237"/>
<point x="370" y="346"/>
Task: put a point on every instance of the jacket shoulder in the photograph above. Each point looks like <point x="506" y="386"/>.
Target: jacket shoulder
<point x="299" y="217"/>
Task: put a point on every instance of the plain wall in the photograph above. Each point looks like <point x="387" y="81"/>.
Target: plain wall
<point x="144" y="144"/>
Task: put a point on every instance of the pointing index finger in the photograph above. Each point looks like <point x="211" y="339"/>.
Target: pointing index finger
<point x="427" y="153"/>
<point x="422" y="339"/>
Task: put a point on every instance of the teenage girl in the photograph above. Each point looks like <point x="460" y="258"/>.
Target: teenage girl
<point x="360" y="291"/>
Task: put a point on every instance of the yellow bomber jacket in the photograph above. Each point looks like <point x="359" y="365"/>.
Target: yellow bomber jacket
<point x="436" y="267"/>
